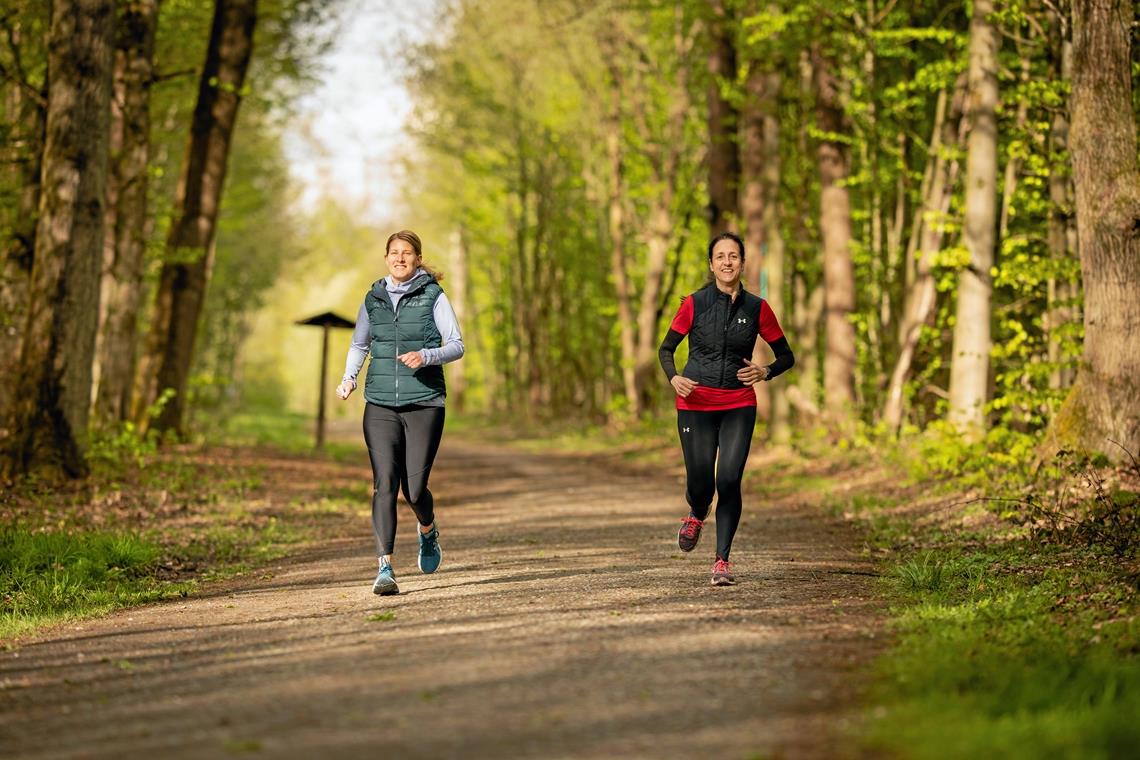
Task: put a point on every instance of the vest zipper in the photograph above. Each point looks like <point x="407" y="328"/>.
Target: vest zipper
<point x="730" y="312"/>
<point x="396" y="342"/>
<point x="724" y="344"/>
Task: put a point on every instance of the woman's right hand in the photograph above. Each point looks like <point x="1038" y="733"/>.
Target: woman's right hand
<point x="683" y="385"/>
<point x="345" y="389"/>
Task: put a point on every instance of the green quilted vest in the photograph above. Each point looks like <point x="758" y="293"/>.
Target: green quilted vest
<point x="408" y="327"/>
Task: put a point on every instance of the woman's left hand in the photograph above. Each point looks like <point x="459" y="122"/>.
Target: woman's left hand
<point x="413" y="359"/>
<point x="751" y="373"/>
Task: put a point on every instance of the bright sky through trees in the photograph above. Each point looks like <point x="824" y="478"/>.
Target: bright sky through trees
<point x="348" y="130"/>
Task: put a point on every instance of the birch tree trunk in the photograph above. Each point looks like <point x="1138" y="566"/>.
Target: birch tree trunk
<point x="48" y="419"/>
<point x="190" y="243"/>
<point x="970" y="361"/>
<point x="126" y="238"/>
<point x="1102" y="411"/>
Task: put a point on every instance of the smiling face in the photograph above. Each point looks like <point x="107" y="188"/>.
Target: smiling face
<point x="726" y="263"/>
<point x="402" y="260"/>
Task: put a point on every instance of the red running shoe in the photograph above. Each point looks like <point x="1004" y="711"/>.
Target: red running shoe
<point x="689" y="534"/>
<point x="722" y="573"/>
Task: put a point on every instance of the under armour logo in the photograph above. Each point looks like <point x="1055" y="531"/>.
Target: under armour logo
<point x="684" y="430"/>
<point x="741" y="321"/>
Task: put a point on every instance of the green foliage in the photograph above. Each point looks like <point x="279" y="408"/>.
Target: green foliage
<point x="516" y="100"/>
<point x="51" y="576"/>
<point x="941" y="453"/>
<point x="124" y="444"/>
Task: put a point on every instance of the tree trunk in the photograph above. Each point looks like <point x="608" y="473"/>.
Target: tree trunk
<point x="929" y="223"/>
<point x="1102" y="411"/>
<point x="753" y="200"/>
<point x="970" y="362"/>
<point x="724" y="159"/>
<point x="122" y="282"/>
<point x="190" y="243"/>
<point x="52" y="402"/>
<point x="1062" y="230"/>
<point x="24" y="106"/>
<point x="779" y="426"/>
<point x="835" y="227"/>
<point x="809" y="306"/>
<point x="760" y="164"/>
<point x="753" y="154"/>
<point x="660" y="231"/>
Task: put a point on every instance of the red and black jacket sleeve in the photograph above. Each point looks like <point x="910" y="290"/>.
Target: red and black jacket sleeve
<point x="772" y="334"/>
<point x="678" y="329"/>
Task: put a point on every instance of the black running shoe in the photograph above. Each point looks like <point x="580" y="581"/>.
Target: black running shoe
<point x="689" y="534"/>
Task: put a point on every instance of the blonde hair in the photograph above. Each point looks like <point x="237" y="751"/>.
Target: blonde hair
<point x="413" y="240"/>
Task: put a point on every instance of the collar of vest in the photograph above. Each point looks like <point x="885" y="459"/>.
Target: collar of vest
<point x="421" y="281"/>
<point x="714" y="292"/>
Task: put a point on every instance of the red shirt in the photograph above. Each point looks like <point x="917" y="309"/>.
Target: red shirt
<point x="705" y="398"/>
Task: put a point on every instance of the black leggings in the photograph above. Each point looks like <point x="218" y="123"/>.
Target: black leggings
<point x="402" y="443"/>
<point x="702" y="435"/>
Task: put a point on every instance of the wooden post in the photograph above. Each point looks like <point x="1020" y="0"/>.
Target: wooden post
<point x="321" y="395"/>
<point x="325" y="321"/>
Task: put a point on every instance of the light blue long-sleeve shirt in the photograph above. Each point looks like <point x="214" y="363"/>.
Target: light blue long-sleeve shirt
<point x="451" y="347"/>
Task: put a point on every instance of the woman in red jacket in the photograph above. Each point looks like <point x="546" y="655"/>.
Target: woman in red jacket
<point x="716" y="404"/>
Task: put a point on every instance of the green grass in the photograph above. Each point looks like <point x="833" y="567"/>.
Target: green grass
<point x="1014" y="652"/>
<point x="50" y="577"/>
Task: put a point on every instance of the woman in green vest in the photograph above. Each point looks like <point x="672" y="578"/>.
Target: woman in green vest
<point x="409" y="330"/>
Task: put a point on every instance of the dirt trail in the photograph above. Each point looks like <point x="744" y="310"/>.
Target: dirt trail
<point x="563" y="623"/>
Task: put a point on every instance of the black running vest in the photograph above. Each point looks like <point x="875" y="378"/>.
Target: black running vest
<point x="722" y="336"/>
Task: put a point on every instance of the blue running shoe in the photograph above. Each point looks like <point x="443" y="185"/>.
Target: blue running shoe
<point x="385" y="583"/>
<point x="430" y="553"/>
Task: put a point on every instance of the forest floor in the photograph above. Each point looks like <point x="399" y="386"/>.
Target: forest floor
<point x="564" y="622"/>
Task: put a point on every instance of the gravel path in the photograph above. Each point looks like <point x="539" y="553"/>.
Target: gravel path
<point x="563" y="623"/>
